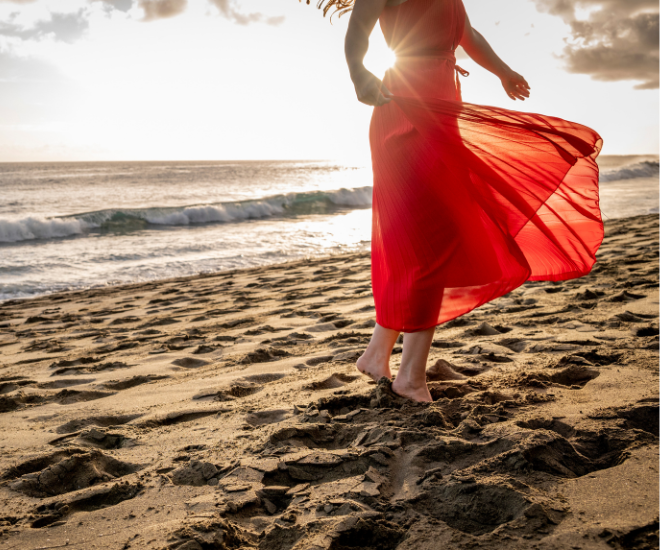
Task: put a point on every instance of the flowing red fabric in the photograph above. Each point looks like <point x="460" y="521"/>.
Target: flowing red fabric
<point x="469" y="201"/>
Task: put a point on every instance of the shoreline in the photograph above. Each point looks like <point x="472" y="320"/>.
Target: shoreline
<point x="210" y="274"/>
<point x="184" y="278"/>
<point x="224" y="411"/>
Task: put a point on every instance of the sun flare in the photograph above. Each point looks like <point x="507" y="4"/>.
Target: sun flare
<point x="379" y="58"/>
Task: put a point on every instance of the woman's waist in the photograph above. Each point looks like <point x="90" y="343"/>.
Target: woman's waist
<point x="421" y="75"/>
<point x="424" y="55"/>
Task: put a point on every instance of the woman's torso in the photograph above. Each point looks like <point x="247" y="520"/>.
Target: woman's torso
<point x="423" y="34"/>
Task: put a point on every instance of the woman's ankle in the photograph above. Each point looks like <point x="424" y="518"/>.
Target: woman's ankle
<point x="373" y="371"/>
<point x="413" y="382"/>
<point x="415" y="390"/>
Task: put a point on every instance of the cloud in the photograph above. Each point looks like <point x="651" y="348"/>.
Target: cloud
<point x="618" y="40"/>
<point x="161" y="9"/>
<point x="153" y="10"/>
<point x="65" y="27"/>
<point x="228" y="10"/>
<point x="121" y="5"/>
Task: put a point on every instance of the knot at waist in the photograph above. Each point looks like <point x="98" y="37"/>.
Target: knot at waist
<point x="406" y="60"/>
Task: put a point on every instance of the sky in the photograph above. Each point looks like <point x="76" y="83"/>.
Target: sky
<point x="84" y="80"/>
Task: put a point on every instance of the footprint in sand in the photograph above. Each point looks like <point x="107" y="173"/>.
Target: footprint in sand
<point x="189" y="362"/>
<point x="86" y="369"/>
<point x="642" y="415"/>
<point x="98" y="421"/>
<point x="443" y="370"/>
<point x="75" y="362"/>
<point x="262" y="418"/>
<point x="591" y="358"/>
<point x="484" y="329"/>
<point x="64" y="383"/>
<point x="159" y="322"/>
<point x="12" y="383"/>
<point x="177" y="417"/>
<point x="446" y="344"/>
<point x="265" y="378"/>
<point x="203" y="349"/>
<point x="314" y="361"/>
<point x="237" y="389"/>
<point x="646" y="331"/>
<point x="451" y="389"/>
<point x="196" y="474"/>
<point x="264" y="355"/>
<point x="49" y="346"/>
<point x="93" y="498"/>
<point x="22" y="399"/>
<point x="626" y="296"/>
<point x="551" y="424"/>
<point x="67" y="397"/>
<point x="178" y="343"/>
<point x="573" y="376"/>
<point x="263" y="329"/>
<point x="124" y="320"/>
<point x="97" y="438"/>
<point x="337" y="380"/>
<point x="574" y="452"/>
<point x="132" y="382"/>
<point x="64" y="474"/>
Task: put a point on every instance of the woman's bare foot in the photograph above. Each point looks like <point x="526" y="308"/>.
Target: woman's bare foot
<point x="374" y="367"/>
<point x="416" y="391"/>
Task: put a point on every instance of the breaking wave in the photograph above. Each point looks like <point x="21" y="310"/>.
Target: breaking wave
<point x="644" y="169"/>
<point x="127" y="219"/>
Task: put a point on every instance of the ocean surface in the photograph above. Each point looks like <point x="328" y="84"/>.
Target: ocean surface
<point x="79" y="225"/>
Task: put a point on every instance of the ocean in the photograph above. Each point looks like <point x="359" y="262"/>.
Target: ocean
<point x="66" y="226"/>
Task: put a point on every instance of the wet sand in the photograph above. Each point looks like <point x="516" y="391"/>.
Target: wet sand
<point x="225" y="412"/>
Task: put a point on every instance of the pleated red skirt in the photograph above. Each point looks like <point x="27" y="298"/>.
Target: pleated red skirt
<point x="469" y="201"/>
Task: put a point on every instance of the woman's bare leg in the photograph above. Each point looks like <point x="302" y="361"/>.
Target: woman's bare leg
<point x="375" y="361"/>
<point x="410" y="381"/>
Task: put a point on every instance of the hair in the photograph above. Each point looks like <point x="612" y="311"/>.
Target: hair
<point x="340" y="7"/>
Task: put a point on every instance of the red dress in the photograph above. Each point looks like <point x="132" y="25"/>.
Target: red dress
<point x="469" y="201"/>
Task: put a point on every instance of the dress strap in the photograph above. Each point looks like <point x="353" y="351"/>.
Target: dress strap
<point x="464" y="73"/>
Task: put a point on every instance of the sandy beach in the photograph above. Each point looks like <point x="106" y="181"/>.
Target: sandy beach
<point x="224" y="411"/>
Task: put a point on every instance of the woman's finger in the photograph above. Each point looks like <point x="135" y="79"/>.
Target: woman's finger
<point x="382" y="100"/>
<point x="523" y="88"/>
<point x="519" y="92"/>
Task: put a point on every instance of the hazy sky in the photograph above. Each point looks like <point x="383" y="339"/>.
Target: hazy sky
<point x="266" y="79"/>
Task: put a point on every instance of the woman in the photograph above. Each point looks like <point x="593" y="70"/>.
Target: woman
<point x="469" y="202"/>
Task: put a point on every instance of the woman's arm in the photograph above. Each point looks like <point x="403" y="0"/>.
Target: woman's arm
<point x="369" y="89"/>
<point x="476" y="46"/>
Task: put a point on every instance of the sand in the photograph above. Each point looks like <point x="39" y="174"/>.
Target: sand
<point x="224" y="411"/>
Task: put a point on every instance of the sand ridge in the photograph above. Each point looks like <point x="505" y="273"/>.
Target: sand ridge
<point x="224" y="411"/>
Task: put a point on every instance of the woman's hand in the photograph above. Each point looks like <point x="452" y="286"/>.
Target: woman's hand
<point x="369" y="89"/>
<point x="478" y="48"/>
<point x="515" y="85"/>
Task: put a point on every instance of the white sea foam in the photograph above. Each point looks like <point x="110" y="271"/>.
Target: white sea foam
<point x="221" y="213"/>
<point x="32" y="228"/>
<point x="12" y="231"/>
<point x="645" y="169"/>
<point x="360" y="196"/>
<point x="248" y="210"/>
